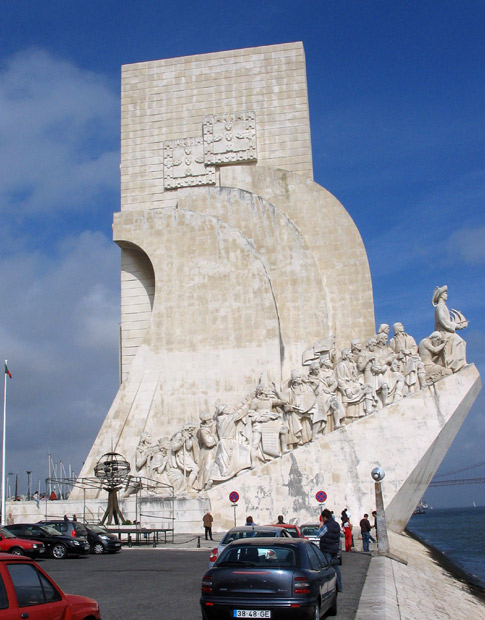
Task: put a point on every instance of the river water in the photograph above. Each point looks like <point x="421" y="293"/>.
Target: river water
<point x="459" y="533"/>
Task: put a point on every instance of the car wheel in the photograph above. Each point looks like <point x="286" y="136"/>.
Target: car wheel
<point x="317" y="612"/>
<point x="16" y="551"/>
<point x="98" y="548"/>
<point x="59" y="552"/>
<point x="333" y="609"/>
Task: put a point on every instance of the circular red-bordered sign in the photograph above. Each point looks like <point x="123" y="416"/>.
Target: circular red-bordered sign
<point x="321" y="496"/>
<point x="233" y="497"/>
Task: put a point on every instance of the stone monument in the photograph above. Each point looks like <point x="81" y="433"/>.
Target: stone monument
<point x="249" y="355"/>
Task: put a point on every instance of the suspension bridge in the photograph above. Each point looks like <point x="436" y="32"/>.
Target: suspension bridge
<point x="456" y="476"/>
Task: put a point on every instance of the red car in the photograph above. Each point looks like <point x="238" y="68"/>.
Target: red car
<point x="19" y="546"/>
<point x="26" y="591"/>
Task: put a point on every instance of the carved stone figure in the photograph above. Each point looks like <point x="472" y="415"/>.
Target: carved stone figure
<point x="313" y="379"/>
<point x="144" y="453"/>
<point x="207" y="437"/>
<point x="395" y="382"/>
<point x="184" y="448"/>
<point x="329" y="411"/>
<point x="448" y="323"/>
<point x="269" y="433"/>
<point x="412" y="366"/>
<point x="232" y="452"/>
<point x="358" y="399"/>
<point x="400" y="340"/>
<point x="431" y="351"/>
<point x="374" y="369"/>
<point x="165" y="471"/>
<point x="159" y="459"/>
<point x="383" y="329"/>
<point x="355" y="349"/>
<point x="300" y="408"/>
<point x="385" y="352"/>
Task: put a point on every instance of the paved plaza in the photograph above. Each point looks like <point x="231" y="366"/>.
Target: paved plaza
<point x="164" y="583"/>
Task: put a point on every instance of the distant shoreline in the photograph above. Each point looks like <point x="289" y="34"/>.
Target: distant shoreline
<point x="471" y="582"/>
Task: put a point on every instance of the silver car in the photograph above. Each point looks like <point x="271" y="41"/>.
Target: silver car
<point x="247" y="531"/>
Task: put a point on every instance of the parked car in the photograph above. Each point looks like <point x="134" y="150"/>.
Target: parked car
<point x="247" y="531"/>
<point x="269" y="578"/>
<point x="292" y="529"/>
<point x="19" y="546"/>
<point x="309" y="530"/>
<point x="58" y="545"/>
<point x="27" y="591"/>
<point x="102" y="541"/>
<point x="69" y="528"/>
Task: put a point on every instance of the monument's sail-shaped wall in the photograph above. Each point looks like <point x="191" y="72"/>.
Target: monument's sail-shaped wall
<point x="231" y="274"/>
<point x="237" y="269"/>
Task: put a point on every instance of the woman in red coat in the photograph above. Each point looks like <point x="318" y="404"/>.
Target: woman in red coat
<point x="347" y="526"/>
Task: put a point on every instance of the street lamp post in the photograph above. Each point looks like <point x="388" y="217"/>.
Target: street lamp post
<point x="382" y="539"/>
<point x="29" y="495"/>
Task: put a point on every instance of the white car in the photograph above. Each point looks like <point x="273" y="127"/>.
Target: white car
<point x="309" y="530"/>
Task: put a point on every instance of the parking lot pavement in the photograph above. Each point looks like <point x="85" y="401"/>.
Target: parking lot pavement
<point x="164" y="584"/>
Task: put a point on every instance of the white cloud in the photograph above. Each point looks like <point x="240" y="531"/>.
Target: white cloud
<point x="58" y="135"/>
<point x="60" y="334"/>
<point x="468" y="245"/>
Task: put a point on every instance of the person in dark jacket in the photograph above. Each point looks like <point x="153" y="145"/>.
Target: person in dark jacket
<point x="329" y="534"/>
<point x="365" y="528"/>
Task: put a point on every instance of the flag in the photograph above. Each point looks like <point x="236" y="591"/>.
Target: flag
<point x="7" y="371"/>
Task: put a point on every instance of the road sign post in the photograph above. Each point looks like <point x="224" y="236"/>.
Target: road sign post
<point x="321" y="497"/>
<point x="233" y="498"/>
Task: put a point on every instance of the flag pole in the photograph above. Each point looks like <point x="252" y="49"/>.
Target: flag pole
<point x="4" y="441"/>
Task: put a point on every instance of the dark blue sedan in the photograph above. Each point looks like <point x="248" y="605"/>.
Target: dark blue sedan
<point x="277" y="578"/>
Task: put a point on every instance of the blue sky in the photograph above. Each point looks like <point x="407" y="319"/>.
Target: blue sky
<point x="397" y="94"/>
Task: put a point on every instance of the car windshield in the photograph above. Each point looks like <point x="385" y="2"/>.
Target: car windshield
<point x="309" y="530"/>
<point x="292" y="532"/>
<point x="96" y="529"/>
<point x="238" y="534"/>
<point x="49" y="529"/>
<point x="266" y="556"/>
<point x="6" y="533"/>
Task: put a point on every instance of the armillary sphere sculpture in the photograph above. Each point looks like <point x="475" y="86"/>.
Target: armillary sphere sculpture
<point x="112" y="469"/>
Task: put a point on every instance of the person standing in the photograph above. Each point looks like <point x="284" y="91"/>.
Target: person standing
<point x="365" y="529"/>
<point x="347" y="527"/>
<point x="207" y="521"/>
<point x="329" y="534"/>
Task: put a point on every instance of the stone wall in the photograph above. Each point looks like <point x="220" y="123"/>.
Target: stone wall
<point x="168" y="100"/>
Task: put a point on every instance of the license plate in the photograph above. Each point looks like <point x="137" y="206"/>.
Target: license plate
<point x="251" y="613"/>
